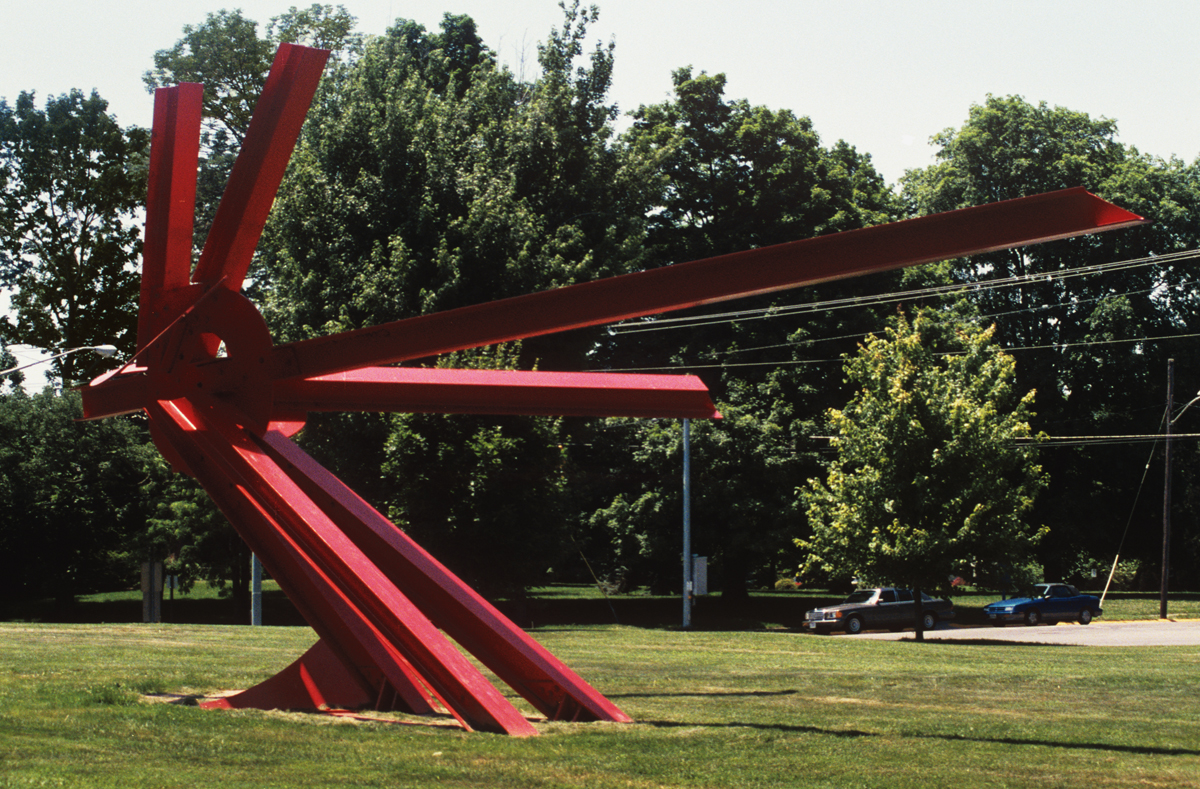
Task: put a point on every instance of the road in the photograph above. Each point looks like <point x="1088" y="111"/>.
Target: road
<point x="1097" y="634"/>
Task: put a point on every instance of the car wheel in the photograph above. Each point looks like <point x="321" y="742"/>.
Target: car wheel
<point x="854" y="625"/>
<point x="929" y="620"/>
<point x="1085" y="616"/>
<point x="1032" y="617"/>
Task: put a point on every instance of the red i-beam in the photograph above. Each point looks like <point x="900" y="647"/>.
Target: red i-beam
<point x="390" y="617"/>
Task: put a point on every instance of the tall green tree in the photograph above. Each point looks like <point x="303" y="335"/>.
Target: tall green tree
<point x="429" y="178"/>
<point x="934" y="474"/>
<point x="227" y="54"/>
<point x="731" y="176"/>
<point x="230" y="57"/>
<point x="71" y="180"/>
<point x="432" y="178"/>
<point x="1094" y="347"/>
<point x="736" y="176"/>
<point x="1009" y="148"/>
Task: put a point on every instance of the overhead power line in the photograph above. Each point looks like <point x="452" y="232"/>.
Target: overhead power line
<point x="664" y="324"/>
<point x="986" y="316"/>
<point x="761" y="313"/>
<point x="1072" y="441"/>
<point x="798" y="362"/>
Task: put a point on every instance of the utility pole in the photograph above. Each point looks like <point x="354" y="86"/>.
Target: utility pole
<point x="1166" y="545"/>
<point x="687" y="524"/>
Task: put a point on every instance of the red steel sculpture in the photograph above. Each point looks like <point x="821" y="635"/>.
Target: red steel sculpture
<point x="388" y="613"/>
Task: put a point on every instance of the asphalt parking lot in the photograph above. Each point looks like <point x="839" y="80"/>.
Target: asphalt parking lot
<point x="1098" y="634"/>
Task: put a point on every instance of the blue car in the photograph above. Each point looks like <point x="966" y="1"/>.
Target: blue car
<point x="1045" y="603"/>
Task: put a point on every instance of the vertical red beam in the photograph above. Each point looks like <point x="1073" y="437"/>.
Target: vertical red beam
<point x="170" y="199"/>
<point x="260" y="165"/>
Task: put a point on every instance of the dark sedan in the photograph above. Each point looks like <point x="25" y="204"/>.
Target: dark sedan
<point x="1045" y="603"/>
<point x="880" y="608"/>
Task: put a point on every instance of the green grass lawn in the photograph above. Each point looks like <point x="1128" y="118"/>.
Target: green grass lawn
<point x="746" y="708"/>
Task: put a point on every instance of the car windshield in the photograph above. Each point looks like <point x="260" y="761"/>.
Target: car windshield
<point x="1035" y="593"/>
<point x="861" y="596"/>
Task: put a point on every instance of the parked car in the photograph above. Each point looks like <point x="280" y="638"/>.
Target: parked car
<point x="883" y="607"/>
<point x="1045" y="603"/>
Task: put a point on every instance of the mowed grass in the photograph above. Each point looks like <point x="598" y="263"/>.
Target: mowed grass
<point x="712" y="709"/>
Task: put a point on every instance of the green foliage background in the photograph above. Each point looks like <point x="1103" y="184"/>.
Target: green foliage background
<point x="429" y="176"/>
<point x="934" y="476"/>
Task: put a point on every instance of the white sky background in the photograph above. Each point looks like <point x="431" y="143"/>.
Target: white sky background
<point x="883" y="75"/>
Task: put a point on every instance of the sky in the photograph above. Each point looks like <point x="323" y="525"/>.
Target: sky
<point x="882" y="75"/>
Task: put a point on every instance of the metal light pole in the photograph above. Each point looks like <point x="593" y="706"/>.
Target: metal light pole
<point x="1166" y="545"/>
<point x="102" y="350"/>
<point x="687" y="524"/>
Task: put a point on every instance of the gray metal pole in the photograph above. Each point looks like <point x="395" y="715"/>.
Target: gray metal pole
<point x="687" y="524"/>
<point x="256" y="573"/>
<point x="1166" y="545"/>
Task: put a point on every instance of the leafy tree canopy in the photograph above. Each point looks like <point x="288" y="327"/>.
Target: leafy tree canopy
<point x="735" y="176"/>
<point x="1094" y="346"/>
<point x="71" y="181"/>
<point x="227" y="56"/>
<point x="428" y="178"/>
<point x="1010" y="148"/>
<point x="730" y="176"/>
<point x="934" y="476"/>
<point x="7" y="361"/>
<point x="432" y="178"/>
<point x="231" y="59"/>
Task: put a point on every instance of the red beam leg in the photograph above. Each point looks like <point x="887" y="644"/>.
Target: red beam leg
<point x="334" y="568"/>
<point x="364" y="650"/>
<point x="521" y="662"/>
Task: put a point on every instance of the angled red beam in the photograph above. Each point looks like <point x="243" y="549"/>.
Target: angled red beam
<point x="116" y="392"/>
<point x="363" y="649"/>
<point x="335" y="568"/>
<point x="170" y="198"/>
<point x="260" y="165"/>
<point x="453" y="606"/>
<point x="952" y="234"/>
<point x="436" y="390"/>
